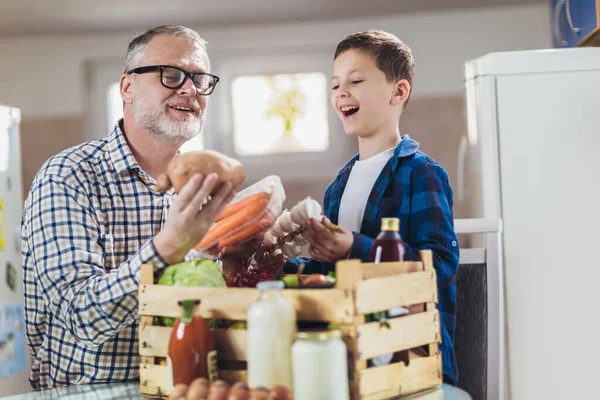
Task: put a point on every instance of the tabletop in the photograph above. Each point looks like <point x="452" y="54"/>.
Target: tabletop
<point x="131" y="390"/>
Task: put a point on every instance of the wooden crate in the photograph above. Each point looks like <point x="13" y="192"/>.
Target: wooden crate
<point x="361" y="289"/>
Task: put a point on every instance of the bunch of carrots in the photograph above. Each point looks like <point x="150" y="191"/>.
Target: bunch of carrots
<point x="246" y="219"/>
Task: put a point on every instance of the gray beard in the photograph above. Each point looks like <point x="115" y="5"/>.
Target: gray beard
<point x="155" y="121"/>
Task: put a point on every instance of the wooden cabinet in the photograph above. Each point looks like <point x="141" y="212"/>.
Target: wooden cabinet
<point x="575" y="22"/>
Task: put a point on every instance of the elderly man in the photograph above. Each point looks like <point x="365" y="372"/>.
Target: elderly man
<point x="91" y="218"/>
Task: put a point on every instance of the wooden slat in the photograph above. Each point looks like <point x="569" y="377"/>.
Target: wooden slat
<point x="233" y="303"/>
<point x="154" y="380"/>
<point x="398" y="379"/>
<point x="233" y="376"/>
<point x="380" y="294"/>
<point x="427" y="259"/>
<point x="231" y="343"/>
<point x="348" y="274"/>
<point x="404" y="333"/>
<point x="371" y="270"/>
<point x="432" y="348"/>
<point x="154" y="341"/>
<point x="147" y="278"/>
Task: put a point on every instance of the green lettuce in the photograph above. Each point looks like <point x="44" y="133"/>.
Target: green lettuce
<point x="195" y="272"/>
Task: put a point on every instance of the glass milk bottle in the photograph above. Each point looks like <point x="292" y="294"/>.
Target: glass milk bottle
<point x="271" y="332"/>
<point x="320" y="366"/>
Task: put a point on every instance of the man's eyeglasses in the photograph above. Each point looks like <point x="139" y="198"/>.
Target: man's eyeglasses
<point x="174" y="78"/>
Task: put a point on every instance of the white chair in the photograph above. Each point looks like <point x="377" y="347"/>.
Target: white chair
<point x="479" y="340"/>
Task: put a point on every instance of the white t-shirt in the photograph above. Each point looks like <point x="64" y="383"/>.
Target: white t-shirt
<point x="362" y="178"/>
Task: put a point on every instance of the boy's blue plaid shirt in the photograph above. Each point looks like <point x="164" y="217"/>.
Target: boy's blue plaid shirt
<point x="415" y="189"/>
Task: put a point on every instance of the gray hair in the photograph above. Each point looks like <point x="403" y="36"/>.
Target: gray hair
<point x="137" y="46"/>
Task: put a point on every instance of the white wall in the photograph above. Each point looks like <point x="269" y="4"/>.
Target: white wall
<point x="46" y="76"/>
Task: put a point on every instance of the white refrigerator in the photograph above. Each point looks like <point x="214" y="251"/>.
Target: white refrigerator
<point x="534" y="157"/>
<point x="14" y="355"/>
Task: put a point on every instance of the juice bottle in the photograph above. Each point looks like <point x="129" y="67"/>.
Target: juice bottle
<point x="389" y="247"/>
<point x="271" y="333"/>
<point x="192" y="350"/>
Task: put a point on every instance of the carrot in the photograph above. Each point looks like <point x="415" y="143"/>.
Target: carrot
<point x="240" y="205"/>
<point x="247" y="232"/>
<point x="223" y="227"/>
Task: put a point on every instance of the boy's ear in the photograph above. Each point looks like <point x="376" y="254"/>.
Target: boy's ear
<point x="126" y="88"/>
<point x="401" y="92"/>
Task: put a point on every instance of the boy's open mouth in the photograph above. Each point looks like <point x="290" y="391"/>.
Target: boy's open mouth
<point x="349" y="110"/>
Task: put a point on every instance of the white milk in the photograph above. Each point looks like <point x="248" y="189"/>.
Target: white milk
<point x="320" y="366"/>
<point x="271" y="332"/>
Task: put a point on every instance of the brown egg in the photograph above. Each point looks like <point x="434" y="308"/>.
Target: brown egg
<point x="259" y="393"/>
<point x="239" y="391"/>
<point x="178" y="391"/>
<point x="280" y="392"/>
<point x="198" y="389"/>
<point x="218" y="390"/>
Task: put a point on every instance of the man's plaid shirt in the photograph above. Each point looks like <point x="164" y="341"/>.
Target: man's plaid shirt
<point x="87" y="228"/>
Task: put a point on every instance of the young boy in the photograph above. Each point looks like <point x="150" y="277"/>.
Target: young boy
<point x="371" y="85"/>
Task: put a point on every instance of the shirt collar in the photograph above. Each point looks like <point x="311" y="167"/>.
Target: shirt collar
<point x="119" y="151"/>
<point x="405" y="148"/>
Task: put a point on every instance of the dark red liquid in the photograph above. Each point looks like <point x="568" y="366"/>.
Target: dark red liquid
<point x="388" y="247"/>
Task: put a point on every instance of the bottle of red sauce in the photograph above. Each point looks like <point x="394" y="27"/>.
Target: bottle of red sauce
<point x="192" y="350"/>
<point x="389" y="247"/>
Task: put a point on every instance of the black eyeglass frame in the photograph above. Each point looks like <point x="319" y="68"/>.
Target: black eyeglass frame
<point x="187" y="75"/>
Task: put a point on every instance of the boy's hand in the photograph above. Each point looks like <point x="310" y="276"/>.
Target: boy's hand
<point x="326" y="245"/>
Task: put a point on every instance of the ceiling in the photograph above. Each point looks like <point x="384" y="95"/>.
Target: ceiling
<point x="55" y="17"/>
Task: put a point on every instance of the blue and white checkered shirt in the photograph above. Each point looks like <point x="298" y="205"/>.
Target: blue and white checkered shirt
<point x="87" y="228"/>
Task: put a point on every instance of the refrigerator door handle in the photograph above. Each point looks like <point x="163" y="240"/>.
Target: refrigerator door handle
<point x="574" y="29"/>
<point x="556" y="25"/>
<point x="463" y="148"/>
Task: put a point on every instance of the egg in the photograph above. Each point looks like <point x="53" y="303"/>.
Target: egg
<point x="259" y="393"/>
<point x="239" y="391"/>
<point x="198" y="389"/>
<point x="218" y="390"/>
<point x="178" y="392"/>
<point x="280" y="392"/>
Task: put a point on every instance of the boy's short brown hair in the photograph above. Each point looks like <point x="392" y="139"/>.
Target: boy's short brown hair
<point x="392" y="56"/>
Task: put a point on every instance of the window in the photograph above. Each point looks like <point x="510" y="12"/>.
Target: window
<point x="280" y="113"/>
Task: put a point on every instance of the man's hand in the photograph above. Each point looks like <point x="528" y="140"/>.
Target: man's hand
<point x="325" y="245"/>
<point x="189" y="218"/>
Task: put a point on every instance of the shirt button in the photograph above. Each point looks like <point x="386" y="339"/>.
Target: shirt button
<point x="454" y="243"/>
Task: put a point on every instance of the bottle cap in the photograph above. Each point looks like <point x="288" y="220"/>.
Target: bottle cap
<point x="270" y="285"/>
<point x="390" y="224"/>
